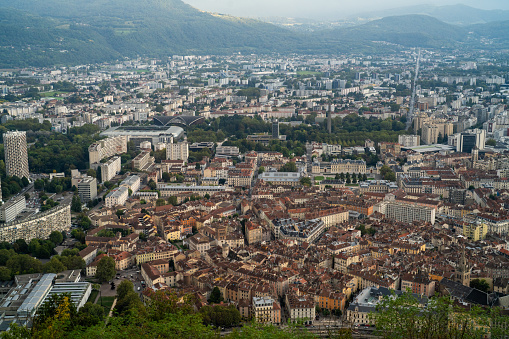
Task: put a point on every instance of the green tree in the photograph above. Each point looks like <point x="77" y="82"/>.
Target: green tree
<point x="54" y="317"/>
<point x="152" y="184"/>
<point x="387" y="173"/>
<point x="305" y="181"/>
<point x="215" y="296"/>
<point x="491" y="142"/>
<point x="220" y="316"/>
<point x="160" y="202"/>
<point x="405" y="317"/>
<point x="289" y="167"/>
<point x="261" y="169"/>
<point x="76" y="204"/>
<point x="128" y="300"/>
<point x="56" y="237"/>
<point x="54" y="266"/>
<point x="105" y="269"/>
<point x="5" y="273"/>
<point x="480" y="284"/>
<point x="98" y="174"/>
<point x="172" y="200"/>
<point x="91" y="172"/>
<point x="90" y="315"/>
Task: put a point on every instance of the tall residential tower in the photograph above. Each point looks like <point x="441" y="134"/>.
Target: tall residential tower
<point x="16" y="155"/>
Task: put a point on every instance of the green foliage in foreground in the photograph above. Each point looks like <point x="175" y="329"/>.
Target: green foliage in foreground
<point x="165" y="317"/>
<point x="404" y="317"/>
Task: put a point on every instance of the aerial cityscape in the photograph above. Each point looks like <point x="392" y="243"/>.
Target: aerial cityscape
<point x="357" y="187"/>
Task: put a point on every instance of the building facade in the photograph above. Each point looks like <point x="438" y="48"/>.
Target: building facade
<point x="107" y="148"/>
<point x="16" y="155"/>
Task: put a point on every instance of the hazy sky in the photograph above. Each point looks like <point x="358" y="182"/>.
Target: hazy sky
<point x="323" y="8"/>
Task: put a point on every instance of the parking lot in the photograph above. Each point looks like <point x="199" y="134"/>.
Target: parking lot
<point x="130" y="275"/>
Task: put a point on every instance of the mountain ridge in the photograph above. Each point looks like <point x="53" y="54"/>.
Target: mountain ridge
<point x="90" y="31"/>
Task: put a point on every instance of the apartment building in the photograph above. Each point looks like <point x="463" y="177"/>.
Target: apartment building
<point x="111" y="168"/>
<point x="16" y="155"/>
<point x="132" y="182"/>
<point x="143" y="161"/>
<point x="107" y="148"/>
<point x="117" y="197"/>
<point x="300" y="308"/>
<point x="409" y="213"/>
<point x="409" y="140"/>
<point x="10" y="210"/>
<point x="177" y="150"/>
<point x="266" y="310"/>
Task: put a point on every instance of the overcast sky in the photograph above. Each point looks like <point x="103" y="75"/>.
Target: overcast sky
<point x="318" y="9"/>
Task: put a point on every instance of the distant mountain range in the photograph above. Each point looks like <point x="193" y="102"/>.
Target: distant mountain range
<point x="43" y="33"/>
<point x="453" y="14"/>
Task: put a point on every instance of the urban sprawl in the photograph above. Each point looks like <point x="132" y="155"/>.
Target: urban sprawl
<point x="302" y="188"/>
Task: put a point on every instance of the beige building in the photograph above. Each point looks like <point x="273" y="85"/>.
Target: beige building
<point x="177" y="150"/>
<point x="199" y="242"/>
<point x="107" y="148"/>
<point x="117" y="197"/>
<point x="339" y="166"/>
<point x="300" y="308"/>
<point x="38" y="226"/>
<point x="408" y="212"/>
<point x="431" y="131"/>
<point x="16" y="155"/>
<point x="110" y="168"/>
<point x="266" y="310"/>
<point x="143" y="161"/>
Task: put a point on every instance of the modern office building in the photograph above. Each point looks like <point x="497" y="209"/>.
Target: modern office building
<point x="227" y="151"/>
<point x="471" y="139"/>
<point x="275" y="130"/>
<point x="16" y="155"/>
<point x="31" y="291"/>
<point x="143" y="161"/>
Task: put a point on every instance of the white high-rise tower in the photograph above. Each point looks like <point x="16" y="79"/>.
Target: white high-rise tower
<point x="16" y="155"/>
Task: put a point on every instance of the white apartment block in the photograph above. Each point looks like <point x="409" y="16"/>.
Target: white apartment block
<point x="107" y="148"/>
<point x="177" y="150"/>
<point x="12" y="208"/>
<point x="229" y="151"/>
<point x="38" y="226"/>
<point x="117" y="197"/>
<point x="408" y="212"/>
<point x="16" y="156"/>
<point x="132" y="182"/>
<point x="409" y="140"/>
<point x="111" y="168"/>
<point x="143" y="161"/>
